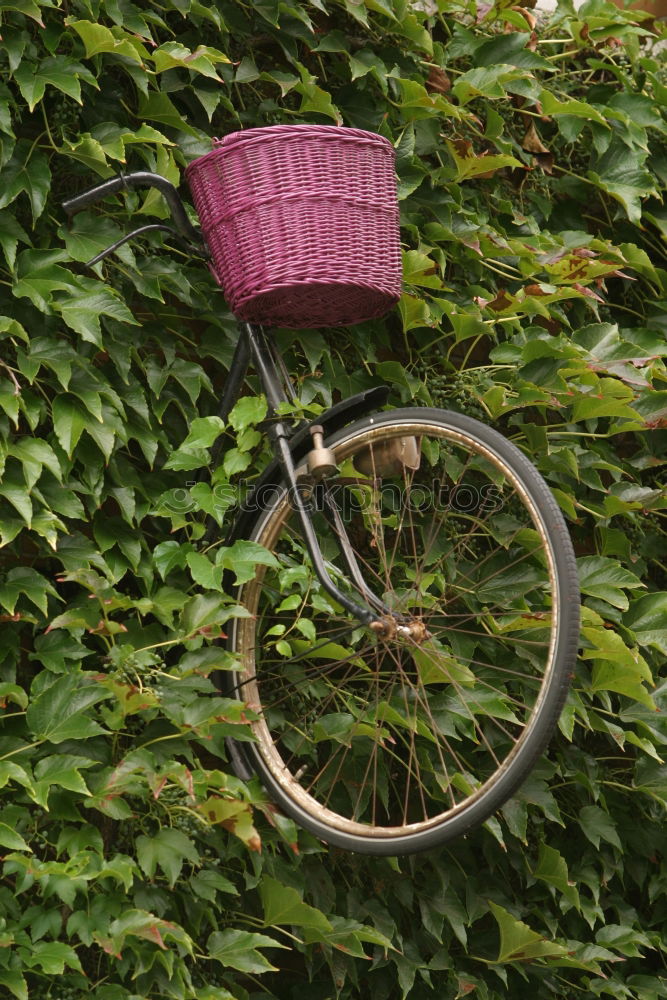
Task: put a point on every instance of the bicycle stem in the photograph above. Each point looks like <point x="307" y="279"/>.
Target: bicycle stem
<point x="279" y="436"/>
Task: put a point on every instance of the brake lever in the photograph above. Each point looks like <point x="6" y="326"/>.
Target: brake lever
<point x="193" y="250"/>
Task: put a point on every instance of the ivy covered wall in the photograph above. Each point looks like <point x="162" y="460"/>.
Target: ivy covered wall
<point x="532" y="161"/>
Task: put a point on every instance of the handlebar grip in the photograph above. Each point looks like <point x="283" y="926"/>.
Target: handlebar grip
<point x="100" y="191"/>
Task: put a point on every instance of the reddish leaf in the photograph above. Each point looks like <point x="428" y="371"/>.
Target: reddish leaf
<point x="463" y="148"/>
<point x="546" y="161"/>
<point x="438" y="82"/>
<point x="501" y="301"/>
<point x="532" y="142"/>
<point x="153" y="934"/>
<point x="588" y="292"/>
<point x="158" y="788"/>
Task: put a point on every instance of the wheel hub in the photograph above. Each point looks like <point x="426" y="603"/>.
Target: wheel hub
<point x="388" y="628"/>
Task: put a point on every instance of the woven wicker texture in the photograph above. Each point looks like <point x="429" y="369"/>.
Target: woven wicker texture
<point x="302" y="223"/>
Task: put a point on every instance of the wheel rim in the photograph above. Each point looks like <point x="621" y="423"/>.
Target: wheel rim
<point x="385" y="738"/>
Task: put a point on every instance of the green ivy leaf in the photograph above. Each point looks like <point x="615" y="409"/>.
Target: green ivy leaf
<point x="157" y="107"/>
<point x="235" y="461"/>
<point x="58" y="713"/>
<point x="168" y="850"/>
<point x="381" y="7"/>
<point x="552" y="106"/>
<point x="605" y="578"/>
<point x="510" y="49"/>
<point x="64" y="73"/>
<point x="283" y="905"/>
<point x="204" y="613"/>
<point x="11" y="327"/>
<point x="15" y="981"/>
<point x="13" y="840"/>
<point x="518" y="943"/>
<point x="622" y="173"/>
<point x="485" y="81"/>
<point x="314" y="98"/>
<point x="27" y="171"/>
<point x="51" y="957"/>
<point x="97" y="39"/>
<point x="349" y="936"/>
<point x="14" y="693"/>
<point x="203" y="60"/>
<point x="552" y="868"/>
<point x="204" y="432"/>
<point x="647" y="618"/>
<point x="204" y="572"/>
<point x="420" y="269"/>
<point x="170" y="555"/>
<point x="207" y="883"/>
<point x="63" y="771"/>
<point x="146" y="927"/>
<point x="34" y="456"/>
<point x="24" y="580"/>
<point x="39" y="277"/>
<point x="69" y="421"/>
<point x="651" y="778"/>
<point x="11" y="234"/>
<point x="248" y="411"/>
<point x="243" y="557"/>
<point x="84" y="307"/>
<point x="468" y="164"/>
<point x="240" y="950"/>
<point x="186" y="461"/>
<point x="598" y="825"/>
<point x="31" y="84"/>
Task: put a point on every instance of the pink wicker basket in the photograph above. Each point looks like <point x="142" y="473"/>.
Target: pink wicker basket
<point x="302" y="223"/>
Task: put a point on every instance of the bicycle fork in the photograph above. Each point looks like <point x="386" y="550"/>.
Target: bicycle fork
<point x="382" y="620"/>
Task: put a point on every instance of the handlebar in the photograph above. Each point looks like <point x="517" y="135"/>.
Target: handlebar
<point x="140" y="178"/>
<point x="97" y="193"/>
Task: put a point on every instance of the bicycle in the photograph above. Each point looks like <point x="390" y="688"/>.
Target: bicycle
<point x="411" y="635"/>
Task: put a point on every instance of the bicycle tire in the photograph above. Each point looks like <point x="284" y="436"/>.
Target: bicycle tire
<point x="535" y="614"/>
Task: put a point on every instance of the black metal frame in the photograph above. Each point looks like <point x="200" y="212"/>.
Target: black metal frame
<point x="253" y="344"/>
<point x="254" y="347"/>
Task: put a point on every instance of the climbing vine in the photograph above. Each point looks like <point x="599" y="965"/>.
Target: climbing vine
<point x="532" y="161"/>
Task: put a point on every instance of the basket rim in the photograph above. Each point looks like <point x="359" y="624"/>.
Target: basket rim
<point x="266" y="133"/>
<point x="344" y="132"/>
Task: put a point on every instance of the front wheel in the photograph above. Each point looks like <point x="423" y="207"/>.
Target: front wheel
<point x="398" y="740"/>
